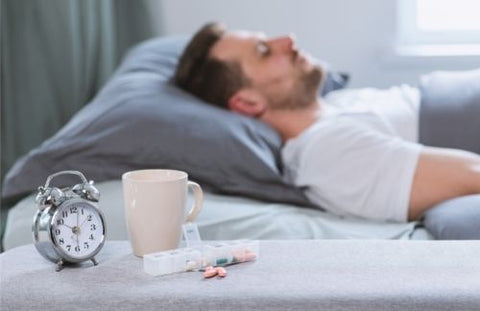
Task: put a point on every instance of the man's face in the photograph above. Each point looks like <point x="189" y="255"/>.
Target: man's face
<point x="287" y="77"/>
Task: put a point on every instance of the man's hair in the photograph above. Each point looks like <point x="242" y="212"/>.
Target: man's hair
<point x="208" y="78"/>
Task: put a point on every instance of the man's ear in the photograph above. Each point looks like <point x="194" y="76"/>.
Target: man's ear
<point x="248" y="102"/>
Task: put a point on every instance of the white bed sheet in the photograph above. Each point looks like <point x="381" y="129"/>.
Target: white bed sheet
<point x="227" y="217"/>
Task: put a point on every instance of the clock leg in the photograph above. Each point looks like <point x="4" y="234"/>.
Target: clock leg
<point x="95" y="262"/>
<point x="59" y="265"/>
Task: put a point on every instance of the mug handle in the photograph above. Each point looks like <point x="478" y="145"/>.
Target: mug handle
<point x="197" y="205"/>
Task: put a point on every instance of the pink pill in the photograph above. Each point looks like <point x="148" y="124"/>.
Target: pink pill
<point x="221" y="272"/>
<point x="250" y="256"/>
<point x="209" y="273"/>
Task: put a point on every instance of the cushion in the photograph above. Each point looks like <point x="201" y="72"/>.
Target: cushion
<point x="450" y="110"/>
<point x="456" y="219"/>
<point x="334" y="81"/>
<point x="140" y="120"/>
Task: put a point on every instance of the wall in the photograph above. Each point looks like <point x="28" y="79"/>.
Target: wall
<point x="355" y="36"/>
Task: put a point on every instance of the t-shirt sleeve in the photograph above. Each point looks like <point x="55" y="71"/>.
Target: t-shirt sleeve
<point x="351" y="170"/>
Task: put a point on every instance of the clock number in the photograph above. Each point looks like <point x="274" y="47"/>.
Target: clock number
<point x="89" y="217"/>
<point x="73" y="210"/>
<point x="82" y="211"/>
<point x="60" y="222"/>
<point x="68" y="247"/>
<point x="85" y="245"/>
<point x="57" y="231"/>
<point x="93" y="227"/>
<point x="91" y="237"/>
<point x="64" y="214"/>
<point x="61" y="241"/>
<point x="77" y="248"/>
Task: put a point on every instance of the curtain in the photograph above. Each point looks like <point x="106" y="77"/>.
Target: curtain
<point x="55" y="55"/>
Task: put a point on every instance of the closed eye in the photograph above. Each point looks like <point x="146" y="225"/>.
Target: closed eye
<point x="263" y="49"/>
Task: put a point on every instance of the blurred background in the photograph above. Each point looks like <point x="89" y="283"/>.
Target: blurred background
<point x="57" y="54"/>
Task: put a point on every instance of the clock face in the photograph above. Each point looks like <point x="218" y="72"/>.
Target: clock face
<point x="78" y="229"/>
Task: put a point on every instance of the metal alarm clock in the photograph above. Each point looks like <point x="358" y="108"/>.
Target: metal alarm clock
<point x="68" y="226"/>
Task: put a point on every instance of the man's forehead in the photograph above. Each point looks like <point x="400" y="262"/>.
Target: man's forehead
<point x="245" y="34"/>
<point x="233" y="43"/>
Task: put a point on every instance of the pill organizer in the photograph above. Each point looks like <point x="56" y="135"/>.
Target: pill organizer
<point x="200" y="257"/>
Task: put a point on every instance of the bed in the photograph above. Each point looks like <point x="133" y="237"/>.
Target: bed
<point x="140" y="120"/>
<point x="226" y="217"/>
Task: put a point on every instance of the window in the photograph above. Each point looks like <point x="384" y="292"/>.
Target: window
<point x="439" y="22"/>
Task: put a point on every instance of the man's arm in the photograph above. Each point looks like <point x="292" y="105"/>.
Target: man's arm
<point x="443" y="174"/>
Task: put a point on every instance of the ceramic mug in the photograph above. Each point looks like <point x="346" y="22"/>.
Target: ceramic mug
<point x="154" y="202"/>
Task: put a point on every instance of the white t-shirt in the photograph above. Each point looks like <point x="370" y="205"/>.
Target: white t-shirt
<point x="359" y="159"/>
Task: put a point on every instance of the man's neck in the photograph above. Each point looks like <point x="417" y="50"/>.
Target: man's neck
<point x="289" y="123"/>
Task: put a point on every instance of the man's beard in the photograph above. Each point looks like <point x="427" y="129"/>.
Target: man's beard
<point x="303" y="93"/>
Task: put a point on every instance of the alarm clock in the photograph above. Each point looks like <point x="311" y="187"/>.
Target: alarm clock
<point x="68" y="226"/>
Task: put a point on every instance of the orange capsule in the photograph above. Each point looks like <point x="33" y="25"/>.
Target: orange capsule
<point x="209" y="273"/>
<point x="221" y="271"/>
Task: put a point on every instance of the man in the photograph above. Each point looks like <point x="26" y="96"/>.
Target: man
<point x="356" y="152"/>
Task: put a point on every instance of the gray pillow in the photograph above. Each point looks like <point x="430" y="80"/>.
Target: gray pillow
<point x="450" y="110"/>
<point x="456" y="219"/>
<point x="449" y="118"/>
<point x="139" y="120"/>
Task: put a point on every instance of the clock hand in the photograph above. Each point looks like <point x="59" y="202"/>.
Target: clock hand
<point x="83" y="222"/>
<point x="78" y="229"/>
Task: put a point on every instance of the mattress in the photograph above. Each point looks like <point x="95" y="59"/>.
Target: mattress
<point x="230" y="217"/>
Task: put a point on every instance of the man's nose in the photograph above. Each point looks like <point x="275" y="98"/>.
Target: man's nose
<point x="283" y="44"/>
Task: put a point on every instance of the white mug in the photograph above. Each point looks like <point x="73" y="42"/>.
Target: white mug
<point x="154" y="202"/>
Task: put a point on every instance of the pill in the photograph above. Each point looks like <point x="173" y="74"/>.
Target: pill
<point x="222" y="261"/>
<point x="221" y="271"/>
<point x="190" y="265"/>
<point x="238" y="257"/>
<point x="209" y="273"/>
<point x="250" y="256"/>
<point x="208" y="268"/>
